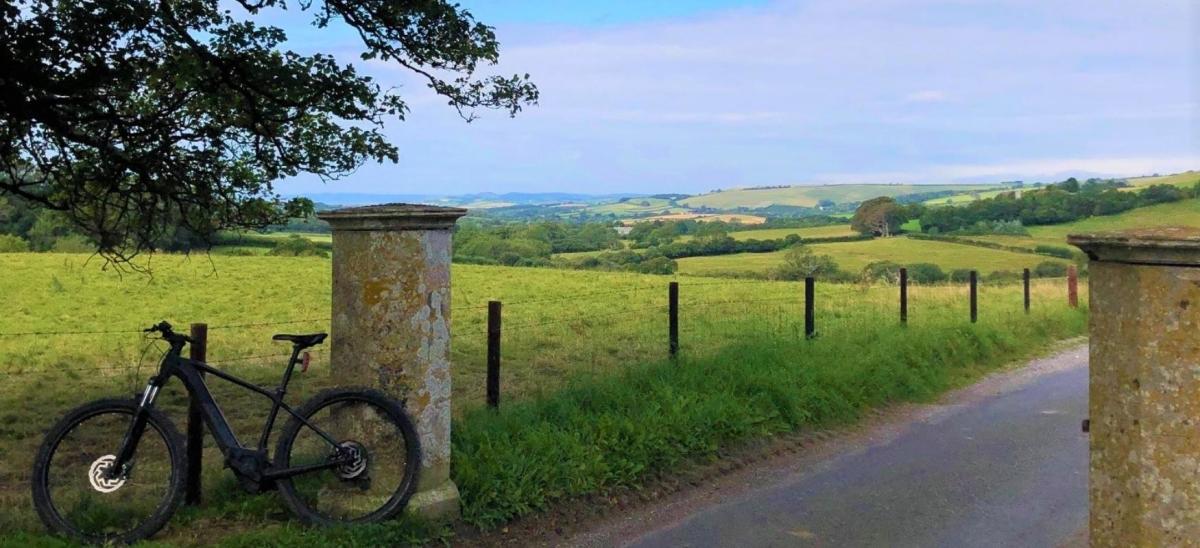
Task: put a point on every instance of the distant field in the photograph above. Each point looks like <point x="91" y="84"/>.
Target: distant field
<point x="1181" y="213"/>
<point x="809" y="196"/>
<point x="1186" y="179"/>
<point x="313" y="236"/>
<point x="682" y="216"/>
<point x="959" y="199"/>
<point x="636" y="206"/>
<point x="832" y="231"/>
<point x="484" y="204"/>
<point x="853" y="256"/>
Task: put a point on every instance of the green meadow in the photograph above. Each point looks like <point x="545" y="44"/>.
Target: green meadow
<point x="589" y="400"/>
<point x="853" y="256"/>
<point x="1186" y="179"/>
<point x="811" y="195"/>
<point x="1181" y="213"/>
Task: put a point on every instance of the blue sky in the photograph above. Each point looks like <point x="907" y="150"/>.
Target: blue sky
<point x="690" y="96"/>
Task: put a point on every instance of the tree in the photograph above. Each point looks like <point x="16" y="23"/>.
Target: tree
<point x="132" y="118"/>
<point x="800" y="262"/>
<point x="879" y="216"/>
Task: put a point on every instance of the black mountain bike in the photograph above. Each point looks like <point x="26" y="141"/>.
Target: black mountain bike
<point x="114" y="470"/>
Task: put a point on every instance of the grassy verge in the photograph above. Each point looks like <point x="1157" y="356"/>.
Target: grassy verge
<point x="598" y="434"/>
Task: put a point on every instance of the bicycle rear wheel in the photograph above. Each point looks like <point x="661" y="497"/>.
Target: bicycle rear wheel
<point x="379" y="479"/>
<point x="74" y="495"/>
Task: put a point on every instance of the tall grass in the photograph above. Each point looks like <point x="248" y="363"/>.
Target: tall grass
<point x="601" y="433"/>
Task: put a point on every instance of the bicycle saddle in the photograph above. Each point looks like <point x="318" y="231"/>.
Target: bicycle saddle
<point x="303" y="341"/>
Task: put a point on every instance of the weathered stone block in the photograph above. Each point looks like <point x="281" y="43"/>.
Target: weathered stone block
<point x="391" y="324"/>
<point x="1144" y="399"/>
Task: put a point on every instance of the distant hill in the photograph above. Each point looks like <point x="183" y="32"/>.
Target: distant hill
<point x="1186" y="179"/>
<point x="812" y="195"/>
<point x="1181" y="213"/>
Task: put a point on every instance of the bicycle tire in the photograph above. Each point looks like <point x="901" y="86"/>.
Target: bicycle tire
<point x="395" y="413"/>
<point x="157" y="422"/>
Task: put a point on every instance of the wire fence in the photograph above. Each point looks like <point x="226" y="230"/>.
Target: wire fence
<point x="549" y="338"/>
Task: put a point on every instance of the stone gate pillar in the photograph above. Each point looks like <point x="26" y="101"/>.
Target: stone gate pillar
<point x="391" y="324"/>
<point x="1144" y="395"/>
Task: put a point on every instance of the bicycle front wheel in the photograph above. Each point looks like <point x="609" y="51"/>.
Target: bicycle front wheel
<point x="76" y="496"/>
<point x="377" y="451"/>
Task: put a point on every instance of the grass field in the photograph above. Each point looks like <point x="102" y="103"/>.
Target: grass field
<point x="1181" y="213"/>
<point x="636" y="206"/>
<point x="590" y="402"/>
<point x="1187" y="179"/>
<point x="683" y="216"/>
<point x="959" y="199"/>
<point x="832" y="231"/>
<point x="810" y="195"/>
<point x="853" y="256"/>
<point x="321" y="237"/>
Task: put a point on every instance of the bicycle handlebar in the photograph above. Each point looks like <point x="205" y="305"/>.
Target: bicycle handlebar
<point x="168" y="333"/>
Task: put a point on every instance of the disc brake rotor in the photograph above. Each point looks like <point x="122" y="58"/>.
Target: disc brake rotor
<point x="98" y="475"/>
<point x="357" y="464"/>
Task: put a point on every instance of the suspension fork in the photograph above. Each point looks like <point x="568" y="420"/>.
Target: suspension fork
<point x="137" y="427"/>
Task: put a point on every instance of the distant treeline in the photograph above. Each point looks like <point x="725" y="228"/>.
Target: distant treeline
<point x="1057" y="203"/>
<point x="652" y="245"/>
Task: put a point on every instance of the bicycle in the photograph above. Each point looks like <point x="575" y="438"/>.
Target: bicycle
<point x="114" y="470"/>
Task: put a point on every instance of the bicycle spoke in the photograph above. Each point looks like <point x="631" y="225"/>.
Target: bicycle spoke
<point x="376" y="460"/>
<point x="95" y="502"/>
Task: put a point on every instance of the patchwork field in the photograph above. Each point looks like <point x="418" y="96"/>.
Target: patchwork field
<point x="831" y="231"/>
<point x="1181" y="213"/>
<point x="811" y="195"/>
<point x="636" y="206"/>
<point x="683" y="216"/>
<point x="853" y="256"/>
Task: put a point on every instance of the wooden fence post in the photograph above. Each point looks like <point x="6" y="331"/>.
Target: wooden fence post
<point x="904" y="296"/>
<point x="810" y="328"/>
<point x="195" y="422"/>
<point x="1026" y="279"/>
<point x="1073" y="286"/>
<point x="974" y="296"/>
<point x="493" y="354"/>
<point x="673" y="320"/>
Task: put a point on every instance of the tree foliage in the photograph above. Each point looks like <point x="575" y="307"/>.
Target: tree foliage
<point x="1062" y="202"/>
<point x="879" y="216"/>
<point x="134" y="118"/>
<point x="799" y="262"/>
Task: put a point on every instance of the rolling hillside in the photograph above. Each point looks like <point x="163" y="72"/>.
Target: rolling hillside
<point x="832" y="231"/>
<point x="809" y="196"/>
<point x="1186" y="180"/>
<point x="853" y="256"/>
<point x="636" y="206"/>
<point x="970" y="196"/>
<point x="1182" y="213"/>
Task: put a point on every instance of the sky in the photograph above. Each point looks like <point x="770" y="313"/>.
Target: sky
<point x="674" y="96"/>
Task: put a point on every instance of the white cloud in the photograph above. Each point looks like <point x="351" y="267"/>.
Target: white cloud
<point x="820" y="89"/>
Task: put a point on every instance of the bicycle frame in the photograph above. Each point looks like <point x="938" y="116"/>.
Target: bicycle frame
<point x="251" y="463"/>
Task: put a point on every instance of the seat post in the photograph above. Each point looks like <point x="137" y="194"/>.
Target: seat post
<point x="287" y="374"/>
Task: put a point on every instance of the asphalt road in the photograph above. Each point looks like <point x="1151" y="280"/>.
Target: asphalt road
<point x="1007" y="467"/>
